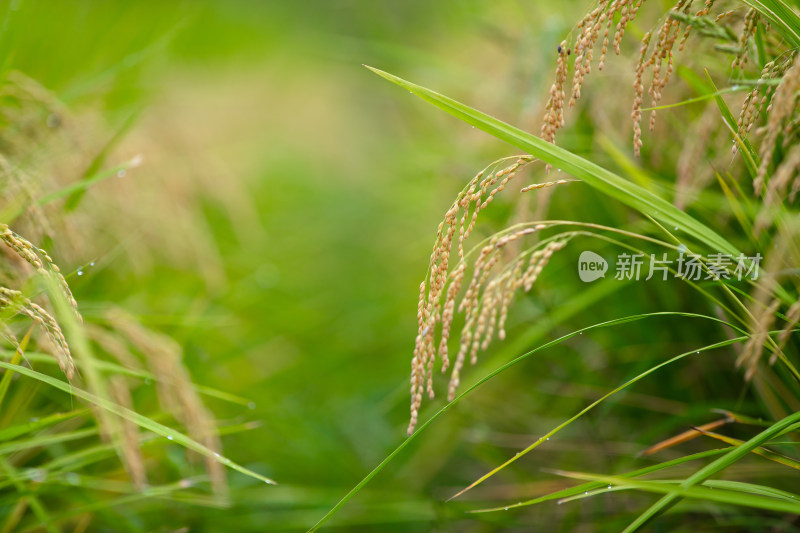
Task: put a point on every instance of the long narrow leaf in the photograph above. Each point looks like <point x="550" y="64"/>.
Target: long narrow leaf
<point x="783" y="502"/>
<point x="594" y="175"/>
<point x="136" y="418"/>
<point x="583" y="488"/>
<point x="781" y="15"/>
<point x="709" y="470"/>
<point x="375" y="471"/>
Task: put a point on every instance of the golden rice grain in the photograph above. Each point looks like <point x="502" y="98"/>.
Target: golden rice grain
<point x="535" y="186"/>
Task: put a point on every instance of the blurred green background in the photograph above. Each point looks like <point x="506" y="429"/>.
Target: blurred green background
<point x="282" y="220"/>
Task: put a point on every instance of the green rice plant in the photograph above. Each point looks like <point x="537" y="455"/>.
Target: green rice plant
<point x="97" y="431"/>
<point x="761" y="315"/>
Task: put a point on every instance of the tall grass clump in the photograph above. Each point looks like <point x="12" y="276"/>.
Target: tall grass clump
<point x="717" y="191"/>
<point x="101" y="417"/>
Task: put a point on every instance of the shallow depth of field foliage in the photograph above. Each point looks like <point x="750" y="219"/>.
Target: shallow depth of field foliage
<point x="215" y="222"/>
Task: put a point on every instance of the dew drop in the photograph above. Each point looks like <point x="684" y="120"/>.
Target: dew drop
<point x="91" y="264"/>
<point x="676" y="228"/>
<point x="169" y="437"/>
<point x="80" y="272"/>
<point x="587" y="492"/>
<point x="506" y="509"/>
<point x="682" y="248"/>
<point x="548" y="438"/>
<point x="251" y="405"/>
<point x="122" y="172"/>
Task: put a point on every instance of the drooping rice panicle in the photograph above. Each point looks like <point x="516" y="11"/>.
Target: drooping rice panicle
<point x="781" y="113"/>
<point x="753" y="349"/>
<point x="38" y="258"/>
<point x="17" y="302"/>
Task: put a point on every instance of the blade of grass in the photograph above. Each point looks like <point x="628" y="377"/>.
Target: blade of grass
<point x="594" y="485"/>
<point x="744" y="419"/>
<point x="36" y="425"/>
<point x="763" y="452"/>
<point x="16" y="359"/>
<point x="745" y="494"/>
<point x="591" y="406"/>
<point x="29" y="496"/>
<point x="702" y="98"/>
<point x="80" y="186"/>
<point x="138" y="419"/>
<point x="716" y="466"/>
<point x="782" y="17"/>
<point x="749" y="155"/>
<point x="633" y="318"/>
<point x="712" y="483"/>
<point x="93" y="454"/>
<point x="594" y="175"/>
<point x="685" y="436"/>
<point x="736" y="207"/>
<point x="115" y="368"/>
<point x="94" y="167"/>
<point x="46" y="440"/>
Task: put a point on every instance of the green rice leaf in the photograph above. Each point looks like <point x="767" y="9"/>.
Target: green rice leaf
<point x="136" y="418"/>
<point x="745" y="494"/>
<point x="779" y="428"/>
<point x="421" y="428"/>
<point x="627" y="192"/>
<point x="781" y="16"/>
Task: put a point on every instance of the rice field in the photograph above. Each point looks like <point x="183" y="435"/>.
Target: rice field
<point x="383" y="266"/>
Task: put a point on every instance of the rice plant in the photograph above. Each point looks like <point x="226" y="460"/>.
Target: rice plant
<point x="216" y="229"/>
<point x="754" y="295"/>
